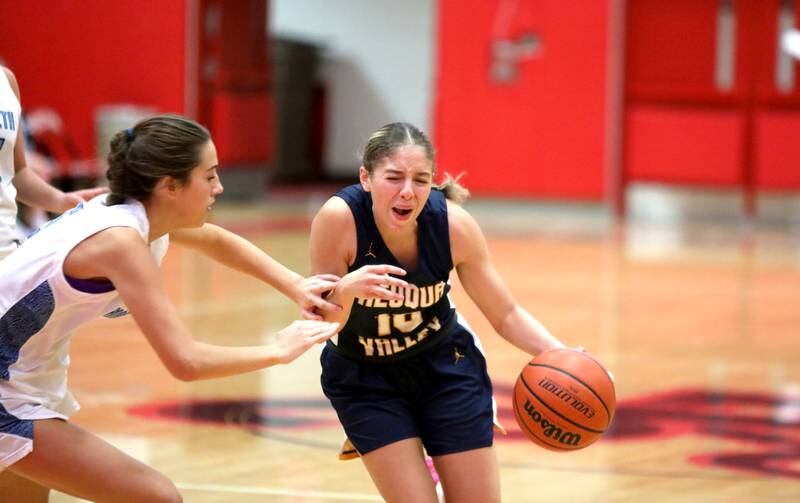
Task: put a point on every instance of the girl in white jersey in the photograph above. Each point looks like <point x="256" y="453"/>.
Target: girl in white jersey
<point x="17" y="181"/>
<point x="101" y="259"/>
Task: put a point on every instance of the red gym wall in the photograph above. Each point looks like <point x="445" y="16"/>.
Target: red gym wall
<point x="694" y="119"/>
<point x="74" y="56"/>
<point x="540" y="133"/>
<point x="235" y="96"/>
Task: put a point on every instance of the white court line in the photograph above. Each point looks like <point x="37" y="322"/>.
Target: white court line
<point x="216" y="488"/>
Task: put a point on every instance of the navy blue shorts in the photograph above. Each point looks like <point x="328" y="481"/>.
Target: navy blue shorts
<point x="16" y="438"/>
<point x="443" y="396"/>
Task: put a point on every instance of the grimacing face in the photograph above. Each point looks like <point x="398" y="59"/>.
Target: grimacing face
<point x="400" y="185"/>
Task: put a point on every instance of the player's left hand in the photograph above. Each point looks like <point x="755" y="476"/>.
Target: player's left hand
<point x="610" y="374"/>
<point x="72" y="199"/>
<point x="311" y="292"/>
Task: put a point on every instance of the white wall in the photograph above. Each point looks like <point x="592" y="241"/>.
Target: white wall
<point x="377" y="63"/>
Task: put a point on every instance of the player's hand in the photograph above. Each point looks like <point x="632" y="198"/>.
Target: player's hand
<point x="295" y="339"/>
<point x="72" y="199"/>
<point x="310" y="296"/>
<point x="373" y="282"/>
<point x="610" y="374"/>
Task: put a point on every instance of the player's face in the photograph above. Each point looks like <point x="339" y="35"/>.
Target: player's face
<point x="400" y="186"/>
<point x="202" y="187"/>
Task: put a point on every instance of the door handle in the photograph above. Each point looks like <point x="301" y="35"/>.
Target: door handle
<point x="787" y="46"/>
<point x="725" y="56"/>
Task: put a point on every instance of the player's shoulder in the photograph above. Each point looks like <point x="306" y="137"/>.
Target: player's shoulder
<point x="334" y="215"/>
<point x="116" y="241"/>
<point x="459" y="217"/>
<point x="465" y="233"/>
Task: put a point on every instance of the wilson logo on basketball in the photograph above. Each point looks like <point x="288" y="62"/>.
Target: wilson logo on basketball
<point x="551" y="430"/>
<point x="567" y="397"/>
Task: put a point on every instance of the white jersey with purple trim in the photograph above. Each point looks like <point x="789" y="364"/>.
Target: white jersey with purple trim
<point x="10" y="110"/>
<point x="39" y="309"/>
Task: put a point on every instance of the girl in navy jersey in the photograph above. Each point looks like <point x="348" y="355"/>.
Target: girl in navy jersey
<point x="405" y="371"/>
<point x="101" y="259"/>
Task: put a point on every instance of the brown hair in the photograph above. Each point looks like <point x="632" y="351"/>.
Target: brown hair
<point x="164" y="145"/>
<point x="386" y="140"/>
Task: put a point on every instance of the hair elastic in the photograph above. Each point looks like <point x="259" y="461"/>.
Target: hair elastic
<point x="129" y="132"/>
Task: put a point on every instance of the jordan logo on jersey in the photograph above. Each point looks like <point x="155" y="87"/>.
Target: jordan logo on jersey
<point x="7" y="120"/>
<point x="369" y="252"/>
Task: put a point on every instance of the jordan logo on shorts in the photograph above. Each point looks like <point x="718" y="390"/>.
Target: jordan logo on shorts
<point x="458" y="355"/>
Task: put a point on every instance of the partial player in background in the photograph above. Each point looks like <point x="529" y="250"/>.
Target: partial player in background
<point x="406" y="371"/>
<point x="17" y="180"/>
<point x="101" y="258"/>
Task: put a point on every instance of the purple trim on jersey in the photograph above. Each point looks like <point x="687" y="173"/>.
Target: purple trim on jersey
<point x="90" y="285"/>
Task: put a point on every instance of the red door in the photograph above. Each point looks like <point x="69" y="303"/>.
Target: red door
<point x="520" y="96"/>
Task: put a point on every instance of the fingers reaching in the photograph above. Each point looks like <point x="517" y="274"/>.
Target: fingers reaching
<point x="310" y="314"/>
<point x="385" y="269"/>
<point x="329" y="277"/>
<point x="312" y="291"/>
<point x="325" y="332"/>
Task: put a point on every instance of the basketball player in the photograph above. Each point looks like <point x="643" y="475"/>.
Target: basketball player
<point x="27" y="185"/>
<point x="405" y="371"/>
<point x="101" y="259"/>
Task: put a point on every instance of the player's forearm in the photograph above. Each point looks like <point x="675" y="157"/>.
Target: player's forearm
<point x="241" y="255"/>
<point x="207" y="361"/>
<point x="525" y="332"/>
<point x="34" y="191"/>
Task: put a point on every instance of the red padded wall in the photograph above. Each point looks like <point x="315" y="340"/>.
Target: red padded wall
<point x="680" y="126"/>
<point x="694" y="146"/>
<point x="73" y="56"/>
<point x="777" y="152"/>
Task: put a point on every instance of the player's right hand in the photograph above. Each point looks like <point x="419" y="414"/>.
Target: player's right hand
<point x="295" y="339"/>
<point x="373" y="281"/>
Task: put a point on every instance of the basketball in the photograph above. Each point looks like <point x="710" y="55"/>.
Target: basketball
<point x="564" y="400"/>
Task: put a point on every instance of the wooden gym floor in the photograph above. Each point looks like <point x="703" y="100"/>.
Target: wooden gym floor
<point x="692" y="307"/>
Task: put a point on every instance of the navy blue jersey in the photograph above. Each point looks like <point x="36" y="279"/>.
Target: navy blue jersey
<point x="379" y="330"/>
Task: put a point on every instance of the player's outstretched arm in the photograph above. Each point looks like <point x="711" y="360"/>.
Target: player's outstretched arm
<point x="240" y="254"/>
<point x="121" y="255"/>
<point x="485" y="287"/>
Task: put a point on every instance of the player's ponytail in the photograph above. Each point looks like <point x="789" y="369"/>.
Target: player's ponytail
<point x="164" y="145"/>
<point x="453" y="190"/>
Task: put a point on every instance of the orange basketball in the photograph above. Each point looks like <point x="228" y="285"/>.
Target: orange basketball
<point x="564" y="400"/>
